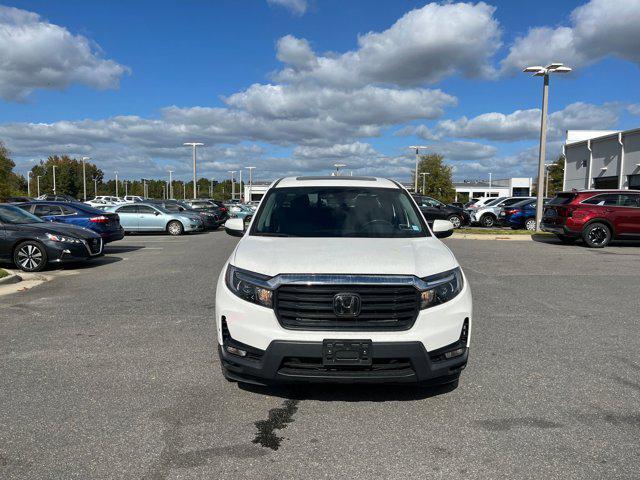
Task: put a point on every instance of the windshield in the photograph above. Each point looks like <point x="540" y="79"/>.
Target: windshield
<point x="494" y="201"/>
<point x="338" y="212"/>
<point x="16" y="216"/>
<point x="562" y="199"/>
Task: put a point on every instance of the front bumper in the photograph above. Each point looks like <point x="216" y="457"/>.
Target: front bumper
<point x="294" y="362"/>
<point x="257" y="328"/>
<point x="62" y="252"/>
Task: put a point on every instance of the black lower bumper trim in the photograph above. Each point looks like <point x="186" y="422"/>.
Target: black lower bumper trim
<point x="392" y="362"/>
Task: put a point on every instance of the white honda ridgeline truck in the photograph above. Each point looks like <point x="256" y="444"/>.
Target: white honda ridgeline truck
<point x="340" y="279"/>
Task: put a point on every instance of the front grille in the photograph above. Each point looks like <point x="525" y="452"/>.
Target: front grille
<point x="95" y="245"/>
<point x="380" y="367"/>
<point x="383" y="307"/>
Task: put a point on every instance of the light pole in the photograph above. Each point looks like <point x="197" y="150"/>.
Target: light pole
<point x="233" y="185"/>
<point x="170" y="184"/>
<point x="338" y="167"/>
<point x="84" y="176"/>
<point x="29" y="183"/>
<point x="38" y="180"/>
<point x="250" y="182"/>
<point x="95" y="187"/>
<point x="539" y="71"/>
<point x="116" y="172"/>
<point x="211" y="189"/>
<point x="424" y="174"/>
<point x="54" y="179"/>
<point x="126" y="188"/>
<point x="417" y="149"/>
<point x="240" y="185"/>
<point x="546" y="179"/>
<point x="194" y="145"/>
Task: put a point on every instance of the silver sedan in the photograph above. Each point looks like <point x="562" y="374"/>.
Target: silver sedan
<point x="145" y="217"/>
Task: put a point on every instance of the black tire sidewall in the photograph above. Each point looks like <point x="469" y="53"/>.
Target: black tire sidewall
<point x="585" y="235"/>
<point x="42" y="251"/>
<point x="485" y="218"/>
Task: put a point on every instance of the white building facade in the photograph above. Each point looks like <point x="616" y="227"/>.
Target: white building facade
<point x="507" y="187"/>
<point x="601" y="161"/>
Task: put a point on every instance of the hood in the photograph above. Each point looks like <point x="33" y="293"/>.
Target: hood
<point x="392" y="256"/>
<point x="61" y="228"/>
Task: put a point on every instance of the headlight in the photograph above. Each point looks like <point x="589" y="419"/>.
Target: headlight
<point x="59" y="238"/>
<point x="441" y="288"/>
<point x="246" y="285"/>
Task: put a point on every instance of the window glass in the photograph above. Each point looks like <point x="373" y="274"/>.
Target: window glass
<point x="511" y="201"/>
<point x="42" y="210"/>
<point x="429" y="202"/>
<point x="16" y="216"/>
<point x="629" y="200"/>
<point x="128" y="209"/>
<point x="603" y="200"/>
<point x="339" y="212"/>
<point x="562" y="199"/>
<point x="145" y="209"/>
<point x="67" y="211"/>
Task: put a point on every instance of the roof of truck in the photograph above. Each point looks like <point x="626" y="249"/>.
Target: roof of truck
<point x="334" y="181"/>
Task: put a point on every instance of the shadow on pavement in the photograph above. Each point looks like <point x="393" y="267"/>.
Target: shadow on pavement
<point x="122" y="249"/>
<point x="351" y="392"/>
<point x="553" y="240"/>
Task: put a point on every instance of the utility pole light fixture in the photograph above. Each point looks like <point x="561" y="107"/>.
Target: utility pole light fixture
<point x="251" y="169"/>
<point x="233" y="185"/>
<point x="54" y="179"/>
<point x="338" y="167"/>
<point x="84" y="176"/>
<point x="194" y="145"/>
<point x="417" y="149"/>
<point x="539" y="71"/>
<point x="424" y="174"/>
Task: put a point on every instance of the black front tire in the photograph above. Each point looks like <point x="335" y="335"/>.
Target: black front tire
<point x="30" y="256"/>
<point x="488" y="220"/>
<point x="597" y="235"/>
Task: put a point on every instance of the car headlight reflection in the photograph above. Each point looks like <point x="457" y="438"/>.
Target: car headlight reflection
<point x="245" y="285"/>
<point x="59" y="238"/>
<point x="442" y="288"/>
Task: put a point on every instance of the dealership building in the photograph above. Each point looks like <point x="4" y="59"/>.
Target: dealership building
<point x="602" y="159"/>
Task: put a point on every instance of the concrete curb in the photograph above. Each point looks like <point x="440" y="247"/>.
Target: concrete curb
<point x="12" y="278"/>
<point x="480" y="236"/>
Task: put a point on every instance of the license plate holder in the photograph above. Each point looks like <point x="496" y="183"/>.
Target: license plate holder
<point x="346" y="352"/>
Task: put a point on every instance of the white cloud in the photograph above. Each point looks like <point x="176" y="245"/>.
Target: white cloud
<point x="297" y="7"/>
<point x="365" y="106"/>
<point x="598" y="29"/>
<point x="524" y="124"/>
<point x="36" y="54"/>
<point x="423" y="46"/>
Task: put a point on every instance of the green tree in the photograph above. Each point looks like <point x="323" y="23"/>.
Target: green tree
<point x="438" y="182"/>
<point x="10" y="182"/>
<point x="556" y="176"/>
<point x="68" y="176"/>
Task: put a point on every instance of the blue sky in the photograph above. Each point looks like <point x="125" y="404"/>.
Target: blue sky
<point x="293" y="86"/>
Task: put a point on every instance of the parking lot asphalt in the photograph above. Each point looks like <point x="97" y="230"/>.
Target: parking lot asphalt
<point x="108" y="371"/>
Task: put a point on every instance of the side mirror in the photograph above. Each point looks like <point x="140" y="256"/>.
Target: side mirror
<point x="442" y="228"/>
<point x="234" y="227"/>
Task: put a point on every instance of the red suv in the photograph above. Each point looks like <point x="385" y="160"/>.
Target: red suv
<point x="596" y="216"/>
